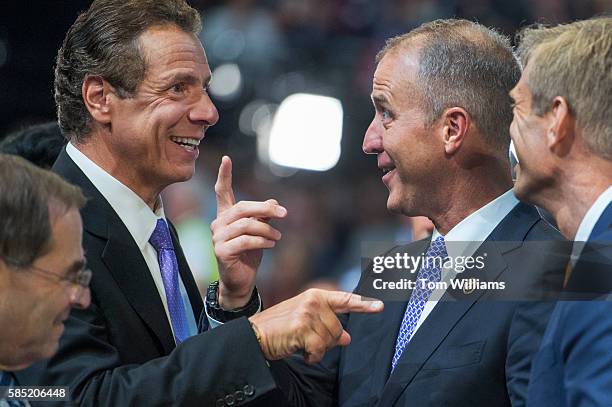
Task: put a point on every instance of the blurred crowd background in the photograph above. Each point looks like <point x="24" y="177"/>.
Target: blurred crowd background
<point x="260" y="53"/>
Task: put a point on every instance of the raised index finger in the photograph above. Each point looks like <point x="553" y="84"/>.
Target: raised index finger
<point x="223" y="186"/>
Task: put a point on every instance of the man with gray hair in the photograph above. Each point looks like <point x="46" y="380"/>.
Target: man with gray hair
<point x="42" y="265"/>
<point x="440" y="134"/>
<point x="562" y="133"/>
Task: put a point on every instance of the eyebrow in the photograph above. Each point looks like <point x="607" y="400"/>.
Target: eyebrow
<point x="379" y="101"/>
<point x="76" y="266"/>
<point x="188" y="78"/>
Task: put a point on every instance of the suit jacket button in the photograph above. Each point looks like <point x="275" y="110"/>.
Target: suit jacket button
<point x="229" y="400"/>
<point x="249" y="390"/>
<point x="220" y="403"/>
<point x="239" y="395"/>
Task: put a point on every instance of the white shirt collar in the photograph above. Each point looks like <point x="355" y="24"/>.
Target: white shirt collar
<point x="474" y="229"/>
<point x="588" y="223"/>
<point x="135" y="214"/>
<point x="592" y="216"/>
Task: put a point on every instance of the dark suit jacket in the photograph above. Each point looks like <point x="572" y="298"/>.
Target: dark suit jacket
<point x="121" y="352"/>
<point x="474" y="349"/>
<point x="574" y="364"/>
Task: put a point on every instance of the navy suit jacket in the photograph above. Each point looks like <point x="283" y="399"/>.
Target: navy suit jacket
<point x="474" y="349"/>
<point x="574" y="365"/>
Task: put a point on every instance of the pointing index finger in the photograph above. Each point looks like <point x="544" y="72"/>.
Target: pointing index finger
<point x="342" y="302"/>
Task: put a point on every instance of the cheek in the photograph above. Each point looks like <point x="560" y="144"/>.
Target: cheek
<point x="170" y="114"/>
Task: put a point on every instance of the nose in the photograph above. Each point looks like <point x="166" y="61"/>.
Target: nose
<point x="81" y="298"/>
<point x="372" y="140"/>
<point x="204" y="111"/>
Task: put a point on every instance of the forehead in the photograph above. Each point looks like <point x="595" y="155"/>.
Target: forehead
<point x="65" y="243"/>
<point x="521" y="89"/>
<point x="396" y="74"/>
<point x="168" y="48"/>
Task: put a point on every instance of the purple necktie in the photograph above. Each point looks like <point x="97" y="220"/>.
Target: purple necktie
<point x="161" y="241"/>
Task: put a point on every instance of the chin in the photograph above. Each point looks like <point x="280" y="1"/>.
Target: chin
<point x="523" y="191"/>
<point x="182" y="175"/>
<point x="49" y="348"/>
<point x="393" y="204"/>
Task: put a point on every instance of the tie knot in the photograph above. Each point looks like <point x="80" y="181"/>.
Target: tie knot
<point x="160" y="239"/>
<point x="437" y="248"/>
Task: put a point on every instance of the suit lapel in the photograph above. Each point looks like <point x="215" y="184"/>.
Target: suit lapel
<point x="121" y="255"/>
<point x="455" y="304"/>
<point x="125" y="262"/>
<point x="451" y="308"/>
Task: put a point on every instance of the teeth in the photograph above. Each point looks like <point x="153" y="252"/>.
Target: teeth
<point x="184" y="140"/>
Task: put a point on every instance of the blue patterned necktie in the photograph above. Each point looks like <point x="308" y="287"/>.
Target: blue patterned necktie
<point x="7" y="380"/>
<point x="431" y="272"/>
<point x="161" y="241"/>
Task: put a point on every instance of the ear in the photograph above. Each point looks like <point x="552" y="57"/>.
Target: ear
<point x="456" y="122"/>
<point x="96" y="94"/>
<point x="560" y="132"/>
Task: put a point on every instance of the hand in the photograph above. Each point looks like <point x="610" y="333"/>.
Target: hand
<point x="308" y="323"/>
<point x="240" y="233"/>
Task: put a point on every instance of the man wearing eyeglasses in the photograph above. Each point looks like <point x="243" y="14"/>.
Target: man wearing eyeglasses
<point x="42" y="265"/>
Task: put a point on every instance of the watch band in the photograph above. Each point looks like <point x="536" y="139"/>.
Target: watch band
<point x="216" y="312"/>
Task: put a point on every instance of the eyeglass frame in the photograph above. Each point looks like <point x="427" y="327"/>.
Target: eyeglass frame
<point x="80" y="279"/>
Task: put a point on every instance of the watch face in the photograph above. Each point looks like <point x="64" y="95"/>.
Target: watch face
<point x="211" y="294"/>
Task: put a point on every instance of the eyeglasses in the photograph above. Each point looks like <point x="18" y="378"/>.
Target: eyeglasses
<point x="78" y="280"/>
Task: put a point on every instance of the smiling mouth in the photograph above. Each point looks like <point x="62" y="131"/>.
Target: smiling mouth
<point x="189" y="144"/>
<point x="387" y="169"/>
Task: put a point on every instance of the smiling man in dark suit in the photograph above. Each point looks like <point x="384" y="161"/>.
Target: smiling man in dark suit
<point x="131" y="87"/>
<point x="440" y="134"/>
<point x="562" y="133"/>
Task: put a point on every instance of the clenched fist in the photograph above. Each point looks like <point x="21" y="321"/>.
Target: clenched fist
<point x="308" y="323"/>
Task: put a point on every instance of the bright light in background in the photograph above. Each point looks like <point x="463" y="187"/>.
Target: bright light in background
<point x="254" y="114"/>
<point x="306" y="132"/>
<point x="226" y="82"/>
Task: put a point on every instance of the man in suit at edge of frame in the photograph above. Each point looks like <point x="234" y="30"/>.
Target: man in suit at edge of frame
<point x="562" y="134"/>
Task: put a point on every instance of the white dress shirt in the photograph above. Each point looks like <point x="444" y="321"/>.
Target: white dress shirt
<point x="466" y="237"/>
<point x="588" y="223"/>
<point x="139" y="220"/>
